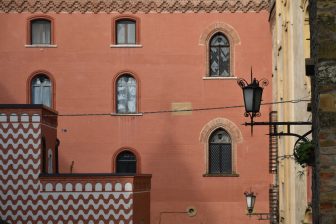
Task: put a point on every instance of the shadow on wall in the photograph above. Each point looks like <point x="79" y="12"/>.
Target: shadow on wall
<point x="175" y="178"/>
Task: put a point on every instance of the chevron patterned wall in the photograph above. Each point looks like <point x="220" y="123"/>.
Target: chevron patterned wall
<point x="27" y="198"/>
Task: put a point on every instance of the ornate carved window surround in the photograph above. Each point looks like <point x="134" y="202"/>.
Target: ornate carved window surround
<point x="236" y="138"/>
<point x="234" y="40"/>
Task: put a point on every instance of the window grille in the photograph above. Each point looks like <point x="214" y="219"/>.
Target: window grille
<point x="220" y="152"/>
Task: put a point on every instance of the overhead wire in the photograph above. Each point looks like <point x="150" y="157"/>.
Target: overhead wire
<point x="181" y="110"/>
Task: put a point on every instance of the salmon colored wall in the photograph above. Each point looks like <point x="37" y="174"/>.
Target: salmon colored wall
<point x="170" y="67"/>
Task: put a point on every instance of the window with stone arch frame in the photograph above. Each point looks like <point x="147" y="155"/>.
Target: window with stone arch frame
<point x="219" y="55"/>
<point x="220" y="131"/>
<point x="233" y="38"/>
<point x="220" y="152"/>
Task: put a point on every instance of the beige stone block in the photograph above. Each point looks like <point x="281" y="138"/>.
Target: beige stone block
<point x="327" y="143"/>
<point x="181" y="108"/>
<point x="328" y="197"/>
<point x="328" y="102"/>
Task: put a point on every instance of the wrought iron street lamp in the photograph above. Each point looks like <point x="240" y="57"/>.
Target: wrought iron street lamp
<point x="252" y="93"/>
<point x="250" y="201"/>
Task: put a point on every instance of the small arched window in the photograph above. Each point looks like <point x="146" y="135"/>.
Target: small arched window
<point x="220" y="152"/>
<point x="219" y="56"/>
<point x="126" y="31"/>
<point x="126" y="162"/>
<point x="126" y="95"/>
<point x="40" y="31"/>
<point x="41" y="90"/>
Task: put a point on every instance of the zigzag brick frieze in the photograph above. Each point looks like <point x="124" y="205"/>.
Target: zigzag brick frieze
<point x="26" y="198"/>
<point x="132" y="6"/>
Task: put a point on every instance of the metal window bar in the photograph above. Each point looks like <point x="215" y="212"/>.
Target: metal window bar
<point x="273" y="144"/>
<point x="220" y="158"/>
<point x="274" y="204"/>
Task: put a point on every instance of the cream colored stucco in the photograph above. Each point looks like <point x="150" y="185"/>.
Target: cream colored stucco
<point x="290" y="29"/>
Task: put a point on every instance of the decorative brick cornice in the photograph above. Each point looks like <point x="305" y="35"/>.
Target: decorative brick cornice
<point x="132" y="6"/>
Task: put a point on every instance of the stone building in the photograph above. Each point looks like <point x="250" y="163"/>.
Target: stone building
<point x="140" y="87"/>
<point x="323" y="29"/>
<point x="289" y="22"/>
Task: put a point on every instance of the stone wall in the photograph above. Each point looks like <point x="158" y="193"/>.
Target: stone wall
<point x="323" y="30"/>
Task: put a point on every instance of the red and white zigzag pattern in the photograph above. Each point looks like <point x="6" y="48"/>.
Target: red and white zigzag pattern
<point x="22" y="199"/>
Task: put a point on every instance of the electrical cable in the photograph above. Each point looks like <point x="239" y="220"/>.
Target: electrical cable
<point x="175" y="111"/>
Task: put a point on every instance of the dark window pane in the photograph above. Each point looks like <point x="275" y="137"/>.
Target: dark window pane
<point x="226" y="158"/>
<point x="220" y="152"/>
<point x="214" y="159"/>
<point x="126" y="162"/>
<point x="40" y="31"/>
<point x="219" y="56"/>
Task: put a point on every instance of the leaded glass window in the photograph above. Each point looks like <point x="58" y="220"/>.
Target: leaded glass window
<point x="220" y="152"/>
<point x="40" y="31"/>
<point x="126" y="162"/>
<point x="41" y="90"/>
<point x="219" y="55"/>
<point x="126" y="31"/>
<point x="126" y="94"/>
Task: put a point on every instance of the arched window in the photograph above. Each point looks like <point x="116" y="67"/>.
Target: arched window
<point x="40" y="31"/>
<point x="126" y="94"/>
<point x="220" y="152"/>
<point x="126" y="31"/>
<point x="219" y="55"/>
<point x="41" y="90"/>
<point x="126" y="162"/>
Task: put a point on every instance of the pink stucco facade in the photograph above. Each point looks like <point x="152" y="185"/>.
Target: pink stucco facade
<point x="170" y="67"/>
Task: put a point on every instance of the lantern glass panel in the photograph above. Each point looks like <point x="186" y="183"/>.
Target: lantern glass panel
<point x="257" y="99"/>
<point x="248" y="98"/>
<point x="250" y="200"/>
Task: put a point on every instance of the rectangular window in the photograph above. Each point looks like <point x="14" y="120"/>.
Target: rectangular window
<point x="40" y="31"/>
<point x="126" y="32"/>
